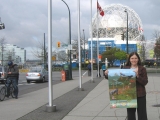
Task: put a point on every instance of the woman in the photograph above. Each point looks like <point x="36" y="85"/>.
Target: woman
<point x="134" y="62"/>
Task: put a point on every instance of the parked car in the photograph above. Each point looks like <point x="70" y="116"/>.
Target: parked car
<point x="2" y="73"/>
<point x="37" y="74"/>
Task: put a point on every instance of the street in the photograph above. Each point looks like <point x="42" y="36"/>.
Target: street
<point x="25" y="87"/>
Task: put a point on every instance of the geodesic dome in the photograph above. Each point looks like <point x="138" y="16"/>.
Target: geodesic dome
<point x="114" y="23"/>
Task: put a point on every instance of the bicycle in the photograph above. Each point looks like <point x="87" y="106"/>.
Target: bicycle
<point x="3" y="91"/>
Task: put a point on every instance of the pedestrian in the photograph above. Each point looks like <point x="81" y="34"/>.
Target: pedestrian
<point x="149" y="64"/>
<point x="103" y="68"/>
<point x="134" y="62"/>
<point x="155" y="64"/>
<point x="121" y="66"/>
<point x="99" y="71"/>
<point x="89" y="69"/>
<point x="12" y="77"/>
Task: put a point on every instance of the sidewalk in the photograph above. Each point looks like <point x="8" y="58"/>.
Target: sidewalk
<point x="71" y="104"/>
<point x="95" y="106"/>
<point x="26" y="106"/>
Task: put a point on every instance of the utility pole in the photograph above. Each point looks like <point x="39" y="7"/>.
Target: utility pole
<point x="127" y="32"/>
<point x="84" y="48"/>
<point x="44" y="52"/>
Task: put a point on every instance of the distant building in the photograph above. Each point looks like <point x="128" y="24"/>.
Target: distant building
<point x="12" y="52"/>
<point x="104" y="43"/>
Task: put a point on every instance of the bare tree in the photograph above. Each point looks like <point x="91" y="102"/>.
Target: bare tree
<point x="75" y="45"/>
<point x="156" y="34"/>
<point x="40" y="51"/>
<point x="143" y="47"/>
<point x="2" y="42"/>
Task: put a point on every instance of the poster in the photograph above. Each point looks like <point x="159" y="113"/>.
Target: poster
<point x="122" y="88"/>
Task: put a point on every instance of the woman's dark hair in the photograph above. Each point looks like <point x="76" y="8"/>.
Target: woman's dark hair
<point x="130" y="55"/>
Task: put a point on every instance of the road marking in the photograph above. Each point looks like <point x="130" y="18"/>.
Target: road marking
<point x="84" y="73"/>
<point x="26" y="84"/>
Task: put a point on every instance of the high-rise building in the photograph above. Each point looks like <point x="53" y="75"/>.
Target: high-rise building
<point x="12" y="52"/>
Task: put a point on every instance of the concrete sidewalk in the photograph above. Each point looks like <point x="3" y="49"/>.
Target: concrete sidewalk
<point x="90" y="104"/>
<point x="95" y="106"/>
<point x="24" y="108"/>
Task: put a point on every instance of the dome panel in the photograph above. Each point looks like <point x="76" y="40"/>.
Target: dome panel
<point x="114" y="22"/>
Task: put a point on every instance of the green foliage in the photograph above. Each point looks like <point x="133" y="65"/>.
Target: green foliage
<point x="120" y="55"/>
<point x="112" y="54"/>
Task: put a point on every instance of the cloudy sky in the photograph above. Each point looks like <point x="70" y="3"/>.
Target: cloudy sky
<point x="26" y="20"/>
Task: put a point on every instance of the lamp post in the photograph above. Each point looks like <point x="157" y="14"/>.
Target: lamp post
<point x="70" y="66"/>
<point x="127" y="31"/>
<point x="84" y="48"/>
<point x="2" y="26"/>
<point x="44" y="51"/>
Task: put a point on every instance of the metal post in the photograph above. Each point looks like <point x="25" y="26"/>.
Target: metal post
<point x="44" y="50"/>
<point x="50" y="107"/>
<point x="2" y="55"/>
<point x="91" y="47"/>
<point x="127" y="31"/>
<point x="84" y="48"/>
<point x="70" y="66"/>
<point x="79" y="47"/>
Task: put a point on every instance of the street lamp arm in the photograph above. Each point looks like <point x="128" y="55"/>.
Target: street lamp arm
<point x="67" y="6"/>
<point x="69" y="39"/>
<point x="69" y="21"/>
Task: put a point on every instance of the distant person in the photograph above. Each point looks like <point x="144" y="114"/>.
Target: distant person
<point x="103" y="68"/>
<point x="149" y="64"/>
<point x="134" y="63"/>
<point x="155" y="64"/>
<point x="89" y="69"/>
<point x="18" y="73"/>
<point x="12" y="77"/>
<point x="122" y="65"/>
<point x="99" y="71"/>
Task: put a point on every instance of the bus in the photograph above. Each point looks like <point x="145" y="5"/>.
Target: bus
<point x="149" y="62"/>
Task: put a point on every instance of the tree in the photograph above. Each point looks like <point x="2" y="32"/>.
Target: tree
<point x="142" y="49"/>
<point x="110" y="55"/>
<point x="156" y="34"/>
<point x="75" y="46"/>
<point x="157" y="48"/>
<point x="40" y="51"/>
<point x="120" y="55"/>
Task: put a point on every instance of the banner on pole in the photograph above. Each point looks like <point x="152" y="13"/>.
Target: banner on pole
<point x="122" y="88"/>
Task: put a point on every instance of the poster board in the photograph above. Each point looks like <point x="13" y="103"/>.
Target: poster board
<point x="122" y="88"/>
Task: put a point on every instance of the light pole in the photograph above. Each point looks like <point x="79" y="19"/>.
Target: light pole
<point x="44" y="52"/>
<point x="2" y="26"/>
<point x="127" y="31"/>
<point x="84" y="48"/>
<point x="70" y="66"/>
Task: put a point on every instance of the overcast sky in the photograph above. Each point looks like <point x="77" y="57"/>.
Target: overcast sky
<point x="26" y="20"/>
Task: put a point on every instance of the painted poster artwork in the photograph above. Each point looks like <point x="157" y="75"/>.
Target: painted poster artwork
<point x="122" y="88"/>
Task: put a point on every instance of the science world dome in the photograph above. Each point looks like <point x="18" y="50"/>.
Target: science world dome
<point x="114" y="23"/>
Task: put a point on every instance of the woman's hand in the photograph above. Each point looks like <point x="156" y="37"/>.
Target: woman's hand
<point x="136" y="71"/>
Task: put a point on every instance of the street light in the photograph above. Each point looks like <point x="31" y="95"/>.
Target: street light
<point x="2" y="26"/>
<point x="127" y="30"/>
<point x="84" y="48"/>
<point x="70" y="67"/>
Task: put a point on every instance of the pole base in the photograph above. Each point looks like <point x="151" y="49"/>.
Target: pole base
<point x="80" y="89"/>
<point x="50" y="108"/>
<point x="92" y="81"/>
